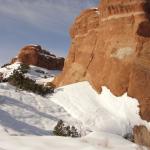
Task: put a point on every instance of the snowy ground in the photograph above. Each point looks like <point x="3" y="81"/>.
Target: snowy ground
<point x="23" y="113"/>
<point x="41" y="78"/>
<point x="94" y="141"/>
<point x="104" y="117"/>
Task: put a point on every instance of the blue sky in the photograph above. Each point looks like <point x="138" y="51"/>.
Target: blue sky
<point x="44" y="22"/>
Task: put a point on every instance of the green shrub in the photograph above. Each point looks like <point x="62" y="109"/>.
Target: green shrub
<point x="20" y="81"/>
<point x="23" y="68"/>
<point x="5" y="65"/>
<point x="61" y="130"/>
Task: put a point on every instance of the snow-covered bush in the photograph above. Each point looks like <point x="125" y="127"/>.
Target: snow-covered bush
<point x="62" y="130"/>
<point x="20" y="81"/>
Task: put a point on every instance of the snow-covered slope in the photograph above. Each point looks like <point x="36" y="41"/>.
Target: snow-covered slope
<point x="99" y="112"/>
<point x="40" y="75"/>
<point x="25" y="113"/>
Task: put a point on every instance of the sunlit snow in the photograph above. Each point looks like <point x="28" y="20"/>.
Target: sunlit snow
<point x="27" y="119"/>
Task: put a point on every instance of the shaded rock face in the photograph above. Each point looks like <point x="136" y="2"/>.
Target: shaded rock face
<point x="111" y="47"/>
<point x="141" y="135"/>
<point x="35" y="55"/>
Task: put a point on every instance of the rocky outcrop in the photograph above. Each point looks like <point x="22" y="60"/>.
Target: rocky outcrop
<point x="111" y="47"/>
<point x="141" y="135"/>
<point x="35" y="55"/>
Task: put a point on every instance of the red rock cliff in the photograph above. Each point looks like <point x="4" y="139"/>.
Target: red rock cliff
<point x="111" y="46"/>
<point x="35" y="55"/>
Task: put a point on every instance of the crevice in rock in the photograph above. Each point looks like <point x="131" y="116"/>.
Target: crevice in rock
<point x="91" y="59"/>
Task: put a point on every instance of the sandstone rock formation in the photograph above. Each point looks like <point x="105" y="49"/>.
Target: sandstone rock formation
<point x="111" y="47"/>
<point x="141" y="135"/>
<point x="35" y="55"/>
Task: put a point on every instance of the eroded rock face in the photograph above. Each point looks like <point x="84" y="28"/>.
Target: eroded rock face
<point x="111" y="46"/>
<point x="35" y="55"/>
<point x="141" y="135"/>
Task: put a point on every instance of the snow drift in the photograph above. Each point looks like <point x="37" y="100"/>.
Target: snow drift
<point x="99" y="112"/>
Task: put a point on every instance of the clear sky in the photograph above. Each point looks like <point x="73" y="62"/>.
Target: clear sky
<point x="44" y="22"/>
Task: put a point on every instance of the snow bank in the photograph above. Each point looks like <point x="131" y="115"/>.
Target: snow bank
<point x="94" y="141"/>
<point x="99" y="112"/>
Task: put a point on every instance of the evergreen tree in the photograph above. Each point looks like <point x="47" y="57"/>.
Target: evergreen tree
<point x="20" y="81"/>
<point x="74" y="132"/>
<point x="24" y="68"/>
<point x="61" y="130"/>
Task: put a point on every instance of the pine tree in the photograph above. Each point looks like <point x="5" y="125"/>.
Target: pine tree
<point x="61" y="130"/>
<point x="24" y="68"/>
<point x="74" y="132"/>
